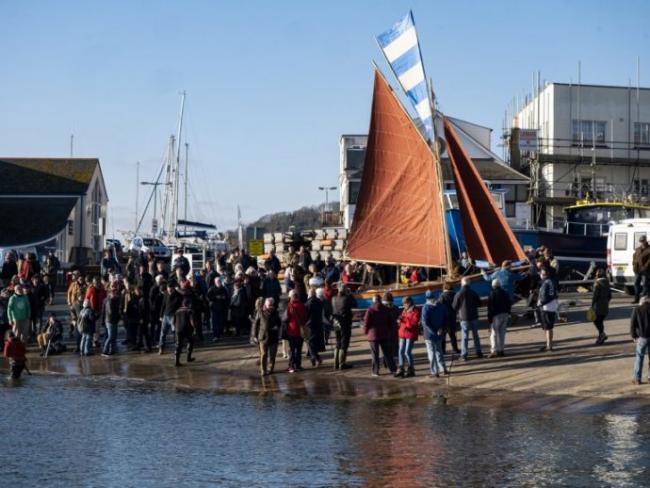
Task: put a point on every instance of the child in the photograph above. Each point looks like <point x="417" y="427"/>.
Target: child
<point x="15" y="351"/>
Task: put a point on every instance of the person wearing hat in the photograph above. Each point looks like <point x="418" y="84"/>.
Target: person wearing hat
<point x="641" y="268"/>
<point x="506" y="277"/>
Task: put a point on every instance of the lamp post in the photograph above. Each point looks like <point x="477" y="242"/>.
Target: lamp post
<point x="326" y="189"/>
<point x="154" y="221"/>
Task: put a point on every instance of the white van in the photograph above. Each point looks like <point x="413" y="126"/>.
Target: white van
<point x="622" y="240"/>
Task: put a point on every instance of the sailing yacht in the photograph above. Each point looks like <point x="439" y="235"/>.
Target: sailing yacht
<point x="400" y="215"/>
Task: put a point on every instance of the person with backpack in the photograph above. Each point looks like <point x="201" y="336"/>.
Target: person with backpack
<point x="466" y="303"/>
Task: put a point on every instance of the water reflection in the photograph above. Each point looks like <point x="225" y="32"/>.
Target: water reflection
<point x="105" y="435"/>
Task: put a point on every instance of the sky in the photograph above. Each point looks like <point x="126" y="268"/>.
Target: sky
<point x="272" y="85"/>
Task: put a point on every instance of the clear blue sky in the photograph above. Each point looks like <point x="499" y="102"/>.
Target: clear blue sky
<point x="273" y="84"/>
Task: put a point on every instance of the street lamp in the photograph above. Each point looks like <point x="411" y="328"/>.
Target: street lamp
<point x="326" y="189"/>
<point x="155" y="184"/>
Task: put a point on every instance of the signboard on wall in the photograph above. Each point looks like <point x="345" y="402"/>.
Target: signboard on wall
<point x="527" y="140"/>
<point x="256" y="247"/>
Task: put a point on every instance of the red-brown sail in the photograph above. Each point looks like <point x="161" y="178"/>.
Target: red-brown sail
<point x="398" y="218"/>
<point x="487" y="234"/>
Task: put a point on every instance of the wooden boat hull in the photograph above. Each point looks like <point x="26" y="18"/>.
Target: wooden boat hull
<point x="417" y="292"/>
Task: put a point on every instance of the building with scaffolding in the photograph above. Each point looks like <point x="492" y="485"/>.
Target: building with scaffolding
<point x="579" y="141"/>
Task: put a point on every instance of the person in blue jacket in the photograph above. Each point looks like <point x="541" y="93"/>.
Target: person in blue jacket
<point x="433" y="319"/>
<point x="506" y="277"/>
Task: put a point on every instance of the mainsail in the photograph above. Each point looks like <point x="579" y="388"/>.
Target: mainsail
<point x="397" y="220"/>
<point x="487" y="234"/>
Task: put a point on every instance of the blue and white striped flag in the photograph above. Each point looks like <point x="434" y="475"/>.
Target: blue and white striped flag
<point x="402" y="50"/>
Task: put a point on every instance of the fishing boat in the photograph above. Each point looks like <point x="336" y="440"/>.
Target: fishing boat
<point x="582" y="239"/>
<point x="400" y="215"/>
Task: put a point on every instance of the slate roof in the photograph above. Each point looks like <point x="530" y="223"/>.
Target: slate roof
<point x="38" y="194"/>
<point x="32" y="220"/>
<point x="46" y="176"/>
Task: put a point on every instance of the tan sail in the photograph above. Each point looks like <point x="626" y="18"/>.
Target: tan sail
<point x="487" y="234"/>
<point x="396" y="219"/>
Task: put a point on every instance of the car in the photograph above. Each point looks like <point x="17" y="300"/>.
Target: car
<point x="149" y="244"/>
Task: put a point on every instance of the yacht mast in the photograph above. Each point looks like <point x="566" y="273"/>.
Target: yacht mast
<point x="435" y="147"/>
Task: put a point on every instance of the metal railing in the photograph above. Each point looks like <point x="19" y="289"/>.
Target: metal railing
<point x="586" y="229"/>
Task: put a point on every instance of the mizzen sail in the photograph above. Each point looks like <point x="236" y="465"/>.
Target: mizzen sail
<point x="487" y="234"/>
<point x="398" y="219"/>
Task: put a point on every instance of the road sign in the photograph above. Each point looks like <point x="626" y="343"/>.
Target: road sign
<point x="256" y="247"/>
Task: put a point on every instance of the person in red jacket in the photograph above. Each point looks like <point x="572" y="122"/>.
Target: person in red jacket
<point x="15" y="351"/>
<point x="296" y="320"/>
<point x="376" y="325"/>
<point x="409" y="323"/>
<point x="96" y="294"/>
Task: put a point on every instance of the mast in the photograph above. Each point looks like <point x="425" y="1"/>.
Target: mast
<point x="166" y="211"/>
<point x="441" y="184"/>
<point x="174" y="220"/>
<point x="187" y="177"/>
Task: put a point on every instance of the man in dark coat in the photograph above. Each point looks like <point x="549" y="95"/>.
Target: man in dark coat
<point x="182" y="262"/>
<point x="600" y="299"/>
<point x="499" y="305"/>
<point x="641" y="267"/>
<point x="271" y="287"/>
<point x="376" y="325"/>
<point x="640" y="332"/>
<point x="184" y="330"/>
<point x="342" y="305"/>
<point x="466" y="303"/>
<point x="239" y="308"/>
<point x="272" y="263"/>
<point x="314" y="314"/>
<point x="218" y="301"/>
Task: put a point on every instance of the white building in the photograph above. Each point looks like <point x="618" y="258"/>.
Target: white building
<point x="476" y="140"/>
<point x="592" y="141"/>
<point x="54" y="204"/>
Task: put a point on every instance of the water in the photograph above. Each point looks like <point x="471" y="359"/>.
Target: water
<point x="59" y="432"/>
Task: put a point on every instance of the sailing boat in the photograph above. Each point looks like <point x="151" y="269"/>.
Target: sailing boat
<point x="400" y="219"/>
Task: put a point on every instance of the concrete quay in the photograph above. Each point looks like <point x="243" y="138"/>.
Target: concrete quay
<point x="577" y="376"/>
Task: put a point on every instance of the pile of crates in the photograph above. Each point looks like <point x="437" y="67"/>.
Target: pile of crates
<point x="328" y="241"/>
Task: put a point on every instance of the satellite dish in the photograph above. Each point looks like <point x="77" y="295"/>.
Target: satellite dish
<point x="442" y="145"/>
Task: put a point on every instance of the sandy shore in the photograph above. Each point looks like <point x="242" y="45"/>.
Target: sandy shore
<point x="577" y="376"/>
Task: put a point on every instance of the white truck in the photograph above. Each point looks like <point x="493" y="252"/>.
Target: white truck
<point x="622" y="239"/>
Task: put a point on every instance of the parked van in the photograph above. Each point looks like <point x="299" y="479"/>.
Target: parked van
<point x="622" y="240"/>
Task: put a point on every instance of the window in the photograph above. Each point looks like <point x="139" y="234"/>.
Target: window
<point x="589" y="132"/>
<point x="354" y="187"/>
<point x="640" y="186"/>
<point x="620" y="241"/>
<point x="354" y="158"/>
<point x="641" y="134"/>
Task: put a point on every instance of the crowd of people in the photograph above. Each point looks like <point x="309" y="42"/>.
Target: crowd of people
<point x="233" y="295"/>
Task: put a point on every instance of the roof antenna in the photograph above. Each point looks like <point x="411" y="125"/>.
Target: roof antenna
<point x="71" y="145"/>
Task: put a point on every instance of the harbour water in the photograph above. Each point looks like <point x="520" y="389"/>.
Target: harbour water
<point x="68" y="432"/>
